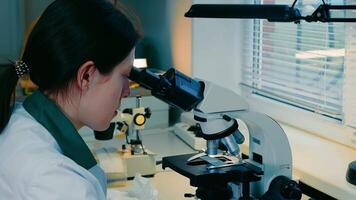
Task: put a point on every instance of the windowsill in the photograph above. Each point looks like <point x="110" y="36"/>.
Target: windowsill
<point x="320" y="163"/>
<point x="311" y="123"/>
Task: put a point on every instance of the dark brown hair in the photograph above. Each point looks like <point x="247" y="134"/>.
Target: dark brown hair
<point x="69" y="33"/>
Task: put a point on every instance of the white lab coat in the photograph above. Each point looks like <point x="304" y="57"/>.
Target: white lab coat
<point x="32" y="165"/>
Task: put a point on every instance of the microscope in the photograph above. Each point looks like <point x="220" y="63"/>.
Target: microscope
<point x="221" y="172"/>
<point x="135" y="157"/>
<point x="130" y="123"/>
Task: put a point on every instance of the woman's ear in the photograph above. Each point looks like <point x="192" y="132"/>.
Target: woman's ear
<point x="85" y="75"/>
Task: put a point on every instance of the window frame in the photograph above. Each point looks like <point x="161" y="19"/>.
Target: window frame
<point x="311" y="122"/>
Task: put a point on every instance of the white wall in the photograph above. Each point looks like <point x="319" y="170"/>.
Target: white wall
<point x="181" y="35"/>
<point x="12" y="28"/>
<point x="15" y="18"/>
<point x="217" y="52"/>
<point x="167" y="32"/>
<point x="154" y="18"/>
<point x="33" y="9"/>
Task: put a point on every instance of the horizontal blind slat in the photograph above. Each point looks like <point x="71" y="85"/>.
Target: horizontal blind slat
<point x="302" y="63"/>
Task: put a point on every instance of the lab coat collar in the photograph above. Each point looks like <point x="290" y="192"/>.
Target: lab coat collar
<point x="49" y="115"/>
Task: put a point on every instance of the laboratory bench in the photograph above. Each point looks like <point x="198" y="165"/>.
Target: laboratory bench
<point x="319" y="164"/>
<point x="163" y="142"/>
<point x="169" y="184"/>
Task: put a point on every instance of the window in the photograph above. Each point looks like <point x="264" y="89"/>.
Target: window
<point x="307" y="65"/>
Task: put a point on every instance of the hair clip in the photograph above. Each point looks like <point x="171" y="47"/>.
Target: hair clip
<point x="21" y="68"/>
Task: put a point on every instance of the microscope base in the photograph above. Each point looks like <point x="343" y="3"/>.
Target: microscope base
<point x="121" y="165"/>
<point x="144" y="164"/>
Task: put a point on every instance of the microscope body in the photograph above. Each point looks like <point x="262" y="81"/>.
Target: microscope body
<point x="269" y="148"/>
<point x="267" y="172"/>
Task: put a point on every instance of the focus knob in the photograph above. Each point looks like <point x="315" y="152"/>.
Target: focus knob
<point x="290" y="190"/>
<point x="282" y="188"/>
<point x="351" y="173"/>
<point x="139" y="119"/>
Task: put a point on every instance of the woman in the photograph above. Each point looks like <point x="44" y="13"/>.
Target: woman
<point x="79" y="54"/>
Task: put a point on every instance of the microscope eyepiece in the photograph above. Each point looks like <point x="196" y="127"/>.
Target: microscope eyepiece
<point x="173" y="87"/>
<point x="145" y="78"/>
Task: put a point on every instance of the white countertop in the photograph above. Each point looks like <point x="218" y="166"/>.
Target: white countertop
<point x="317" y="162"/>
<point x="320" y="163"/>
<point x="170" y="184"/>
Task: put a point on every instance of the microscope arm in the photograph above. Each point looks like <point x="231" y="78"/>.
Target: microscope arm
<point x="204" y="98"/>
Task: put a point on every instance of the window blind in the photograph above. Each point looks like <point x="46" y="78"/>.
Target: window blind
<point x="298" y="64"/>
<point x="349" y="89"/>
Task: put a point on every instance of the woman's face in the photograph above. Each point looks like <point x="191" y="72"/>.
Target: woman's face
<point x="99" y="103"/>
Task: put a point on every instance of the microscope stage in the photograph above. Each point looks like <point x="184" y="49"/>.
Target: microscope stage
<point x="199" y="175"/>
